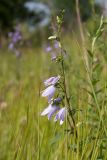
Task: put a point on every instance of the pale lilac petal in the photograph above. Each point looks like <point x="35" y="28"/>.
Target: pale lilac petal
<point x="46" y="111"/>
<point x="56" y="117"/>
<point x="50" y="97"/>
<point x="11" y="46"/>
<point x="14" y="39"/>
<point x="56" y="45"/>
<point x="53" y="56"/>
<point x="50" y="110"/>
<point x="60" y="112"/>
<point x="53" y="110"/>
<point x="56" y="79"/>
<point x="48" y="49"/>
<point x="61" y="115"/>
<point x="49" y="92"/>
<point x="51" y="81"/>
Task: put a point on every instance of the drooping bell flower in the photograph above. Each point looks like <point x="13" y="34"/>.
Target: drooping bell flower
<point x="50" y="110"/>
<point x="61" y="115"/>
<point x="51" y="81"/>
<point x="49" y="92"/>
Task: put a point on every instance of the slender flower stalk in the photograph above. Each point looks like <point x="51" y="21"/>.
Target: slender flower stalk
<point x="65" y="91"/>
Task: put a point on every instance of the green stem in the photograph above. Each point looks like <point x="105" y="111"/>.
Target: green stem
<point x="66" y="95"/>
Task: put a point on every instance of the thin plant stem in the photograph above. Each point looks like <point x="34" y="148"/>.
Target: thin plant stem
<point x="66" y="95"/>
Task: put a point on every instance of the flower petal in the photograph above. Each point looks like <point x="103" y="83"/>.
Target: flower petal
<point x="51" y="81"/>
<point x="61" y="115"/>
<point x="61" y="122"/>
<point x="48" y="91"/>
<point x="50" y="110"/>
<point x="46" y="111"/>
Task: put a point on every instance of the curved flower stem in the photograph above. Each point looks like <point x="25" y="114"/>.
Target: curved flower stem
<point x="66" y="95"/>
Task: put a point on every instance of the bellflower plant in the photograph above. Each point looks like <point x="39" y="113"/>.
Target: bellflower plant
<point x="56" y="91"/>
